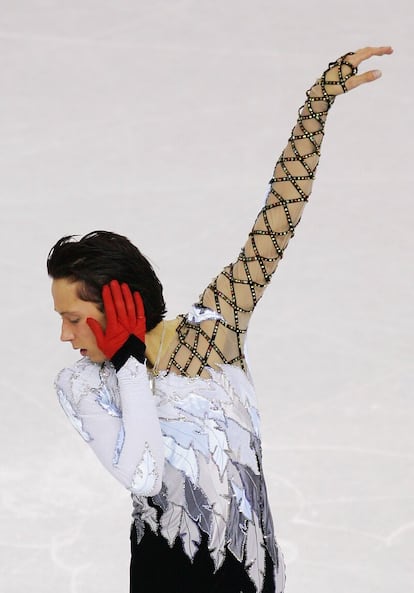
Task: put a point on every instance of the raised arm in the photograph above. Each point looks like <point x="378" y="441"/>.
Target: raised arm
<point x="236" y="291"/>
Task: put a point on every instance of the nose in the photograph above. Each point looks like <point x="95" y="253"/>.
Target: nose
<point x="66" y="334"/>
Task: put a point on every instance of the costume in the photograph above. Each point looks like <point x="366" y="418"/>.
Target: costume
<point x="187" y="441"/>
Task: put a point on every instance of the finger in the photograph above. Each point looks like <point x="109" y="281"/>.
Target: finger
<point x="139" y="305"/>
<point x="359" y="79"/>
<point x="96" y="329"/>
<point x="368" y="52"/>
<point x="109" y="305"/>
<point x="119" y="303"/>
<point x="129" y="304"/>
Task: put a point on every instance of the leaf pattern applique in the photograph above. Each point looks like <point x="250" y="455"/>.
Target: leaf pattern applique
<point x="72" y="415"/>
<point x="255" y="553"/>
<point x="105" y="400"/>
<point x="119" y="445"/>
<point x="190" y="535"/>
<point x="237" y="527"/>
<point x="181" y="458"/>
<point x="171" y="521"/>
<point x="212" y="480"/>
<point x="145" y="474"/>
<point x="198" y="507"/>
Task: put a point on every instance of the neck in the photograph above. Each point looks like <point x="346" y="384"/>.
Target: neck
<point x="156" y="344"/>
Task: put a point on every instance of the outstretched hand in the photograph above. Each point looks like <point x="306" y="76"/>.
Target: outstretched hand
<point x="341" y="76"/>
<point x="125" y="317"/>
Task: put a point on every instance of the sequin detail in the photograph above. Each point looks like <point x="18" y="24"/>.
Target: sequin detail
<point x="105" y="400"/>
<point x="119" y="445"/>
<point x="145" y="475"/>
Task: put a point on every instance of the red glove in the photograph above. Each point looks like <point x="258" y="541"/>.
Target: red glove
<point x="124" y="335"/>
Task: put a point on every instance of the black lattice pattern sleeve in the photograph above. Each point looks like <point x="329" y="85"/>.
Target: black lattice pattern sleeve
<point x="236" y="291"/>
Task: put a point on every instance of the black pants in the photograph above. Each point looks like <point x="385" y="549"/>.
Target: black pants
<point x="158" y="568"/>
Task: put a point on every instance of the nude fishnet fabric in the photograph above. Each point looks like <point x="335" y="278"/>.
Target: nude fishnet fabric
<point x="235" y="292"/>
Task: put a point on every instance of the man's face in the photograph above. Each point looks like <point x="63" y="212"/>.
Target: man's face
<point x="74" y="313"/>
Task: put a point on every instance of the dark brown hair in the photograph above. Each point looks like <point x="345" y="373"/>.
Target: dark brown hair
<point x="102" y="256"/>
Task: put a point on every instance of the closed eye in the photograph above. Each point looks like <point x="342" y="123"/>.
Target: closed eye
<point x="73" y="321"/>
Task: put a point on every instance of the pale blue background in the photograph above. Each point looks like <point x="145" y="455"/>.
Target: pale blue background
<point x="162" y="120"/>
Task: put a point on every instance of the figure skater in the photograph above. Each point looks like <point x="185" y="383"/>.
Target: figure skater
<point x="168" y="406"/>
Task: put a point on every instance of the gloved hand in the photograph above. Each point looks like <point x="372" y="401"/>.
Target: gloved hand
<point x="124" y="335"/>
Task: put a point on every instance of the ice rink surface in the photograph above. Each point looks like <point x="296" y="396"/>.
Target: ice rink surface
<point x="162" y="120"/>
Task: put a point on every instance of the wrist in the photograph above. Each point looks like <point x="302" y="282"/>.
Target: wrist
<point x="132" y="347"/>
<point x="132" y="370"/>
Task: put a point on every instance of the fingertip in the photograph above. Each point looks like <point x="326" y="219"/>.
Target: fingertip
<point x="376" y="74"/>
<point x="387" y="50"/>
<point x="90" y="321"/>
<point x="117" y="289"/>
<point x="126" y="291"/>
<point x="95" y="328"/>
<point x="138" y="301"/>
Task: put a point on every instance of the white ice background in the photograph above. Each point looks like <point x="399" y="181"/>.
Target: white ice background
<point x="162" y="120"/>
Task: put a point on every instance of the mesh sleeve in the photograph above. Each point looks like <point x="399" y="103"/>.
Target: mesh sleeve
<point x="235" y="292"/>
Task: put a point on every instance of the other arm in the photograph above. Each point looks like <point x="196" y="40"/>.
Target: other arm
<point x="113" y="408"/>
<point x="116" y="415"/>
